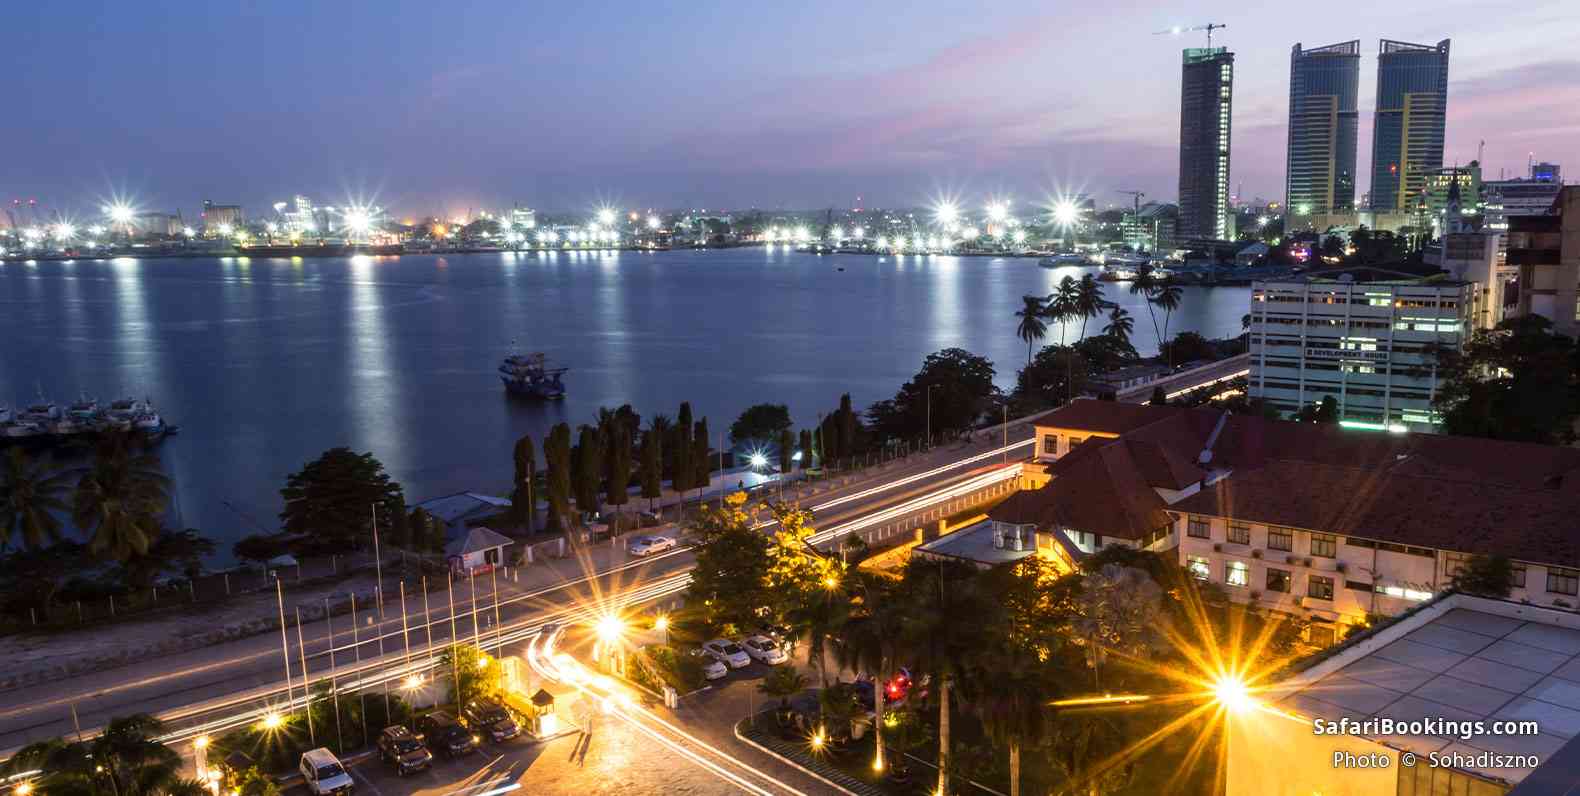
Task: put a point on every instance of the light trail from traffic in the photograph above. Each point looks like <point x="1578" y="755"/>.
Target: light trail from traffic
<point x="895" y="512"/>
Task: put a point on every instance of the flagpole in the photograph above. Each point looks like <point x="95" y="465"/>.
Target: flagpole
<point x="285" y="644"/>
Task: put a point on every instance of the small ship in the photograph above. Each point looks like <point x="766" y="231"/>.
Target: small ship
<point x="529" y="376"/>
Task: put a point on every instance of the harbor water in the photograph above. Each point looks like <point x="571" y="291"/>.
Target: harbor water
<point x="265" y="363"/>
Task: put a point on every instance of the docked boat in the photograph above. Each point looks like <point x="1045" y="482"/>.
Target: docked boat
<point x="1064" y="261"/>
<point x="84" y="410"/>
<point x="5" y="414"/>
<point x="46" y="422"/>
<point x="530" y="376"/>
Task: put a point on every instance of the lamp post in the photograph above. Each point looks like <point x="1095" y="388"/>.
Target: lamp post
<point x="930" y="415"/>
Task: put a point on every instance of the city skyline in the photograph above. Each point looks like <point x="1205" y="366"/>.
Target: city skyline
<point x="587" y="107"/>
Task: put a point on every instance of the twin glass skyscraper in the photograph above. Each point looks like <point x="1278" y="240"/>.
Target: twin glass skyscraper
<point x="1323" y="122"/>
<point x="1407" y="135"/>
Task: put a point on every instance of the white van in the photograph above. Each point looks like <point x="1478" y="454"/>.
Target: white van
<point x="323" y="773"/>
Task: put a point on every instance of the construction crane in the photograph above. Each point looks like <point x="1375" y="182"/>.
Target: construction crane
<point x="1209" y="27"/>
<point x="1135" y="218"/>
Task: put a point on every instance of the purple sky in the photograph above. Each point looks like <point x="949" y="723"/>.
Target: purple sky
<point x="701" y="103"/>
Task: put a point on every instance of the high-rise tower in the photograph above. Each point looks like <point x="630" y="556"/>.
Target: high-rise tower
<point x="1206" y="100"/>
<point x="1407" y="137"/>
<point x="1323" y="122"/>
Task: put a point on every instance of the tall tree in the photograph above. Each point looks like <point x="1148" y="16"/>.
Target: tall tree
<point x="760" y="424"/>
<point x="1031" y="328"/>
<point x="962" y="389"/>
<point x="1167" y="295"/>
<point x="683" y="474"/>
<point x="650" y="474"/>
<point x="120" y="498"/>
<point x="1010" y="697"/>
<point x="727" y="584"/>
<point x="330" y="500"/>
<point x="870" y="642"/>
<point x="1518" y="382"/>
<point x="1143" y="285"/>
<point x="557" y="455"/>
<point x="172" y="553"/>
<point x="846" y="426"/>
<point x="937" y="596"/>
<point x="806" y="448"/>
<point x="829" y="432"/>
<point x="31" y="498"/>
<point x="587" y="461"/>
<point x="786" y="452"/>
<point x="126" y="759"/>
<point x="1061" y="304"/>
<point x="618" y="465"/>
<point x="522" y="500"/>
<point x="1120" y="325"/>
<point x="701" y="462"/>
<point x="1089" y="301"/>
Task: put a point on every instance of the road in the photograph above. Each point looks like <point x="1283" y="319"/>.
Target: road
<point x="1183" y="382"/>
<point x="213" y="688"/>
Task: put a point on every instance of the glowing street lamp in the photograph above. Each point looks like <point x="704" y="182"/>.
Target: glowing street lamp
<point x="837" y="233"/>
<point x="652" y="222"/>
<point x="998" y="211"/>
<point x="1019" y="237"/>
<point x="858" y="233"/>
<point x="62" y="231"/>
<point x="1231" y="692"/>
<point x="946" y="213"/>
<point x="412" y="682"/>
<point x="272" y="721"/>
<point x="661" y="624"/>
<point x="606" y="216"/>
<point x="758" y="460"/>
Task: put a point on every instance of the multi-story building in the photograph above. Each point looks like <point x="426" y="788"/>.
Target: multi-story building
<point x="1365" y="337"/>
<point x="1475" y="257"/>
<point x="157" y="224"/>
<point x="1206" y="103"/>
<point x="1323" y="123"/>
<point x="1528" y="196"/>
<point x="1546" y="251"/>
<point x="1152" y="229"/>
<point x="1329" y="523"/>
<point x="1439" y="184"/>
<point x="216" y="216"/>
<point x="1407" y="133"/>
<point x="523" y="218"/>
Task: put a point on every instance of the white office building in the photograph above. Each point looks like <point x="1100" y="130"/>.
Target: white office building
<point x="1371" y="345"/>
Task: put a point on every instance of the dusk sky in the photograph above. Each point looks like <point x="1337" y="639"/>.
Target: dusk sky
<point x="436" y="107"/>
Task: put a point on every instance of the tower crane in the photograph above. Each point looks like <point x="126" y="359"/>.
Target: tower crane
<point x="1136" y="215"/>
<point x="1209" y="28"/>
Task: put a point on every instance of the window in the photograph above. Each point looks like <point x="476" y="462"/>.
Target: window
<point x="1358" y="585"/>
<point x="1198" y="568"/>
<point x="1319" y="587"/>
<point x="1237" y="573"/>
<point x="1277" y="579"/>
<point x="1050" y="445"/>
<point x="1518" y="581"/>
<point x="1563" y="581"/>
<point x="1453" y="563"/>
<point x="1239" y="533"/>
<point x="1198" y="527"/>
<point x="1280" y="539"/>
<point x="1324" y="545"/>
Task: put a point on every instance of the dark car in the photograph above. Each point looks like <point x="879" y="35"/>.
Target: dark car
<point x="490" y="718"/>
<point x="401" y="749"/>
<point x="443" y="734"/>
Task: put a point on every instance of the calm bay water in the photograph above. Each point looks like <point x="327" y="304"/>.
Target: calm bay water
<point x="264" y="363"/>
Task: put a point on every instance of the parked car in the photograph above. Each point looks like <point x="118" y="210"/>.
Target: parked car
<point x="648" y="545"/>
<point x="490" y="719"/>
<point x="401" y="749"/>
<point x="765" y="649"/>
<point x="722" y="649"/>
<point x="648" y="519"/>
<point x="443" y="734"/>
<point x="324" y="775"/>
<point x="712" y="668"/>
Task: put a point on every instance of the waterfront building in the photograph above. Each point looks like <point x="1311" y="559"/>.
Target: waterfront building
<point x="1545" y="250"/>
<point x="1328" y="522"/>
<point x="523" y="218"/>
<point x="1323" y="123"/>
<point x="216" y="216"/>
<point x="156" y="224"/>
<point x="1368" y="338"/>
<point x="1407" y="132"/>
<point x="1206" y="105"/>
<point x="1153" y="229"/>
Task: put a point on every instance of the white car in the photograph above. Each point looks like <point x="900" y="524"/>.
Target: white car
<point x="648" y="545"/>
<point x="763" y="648"/>
<point x="323" y="773"/>
<point x="722" y="649"/>
<point x="712" y="668"/>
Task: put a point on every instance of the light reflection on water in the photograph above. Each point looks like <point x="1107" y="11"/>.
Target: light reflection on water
<point x="264" y="363"/>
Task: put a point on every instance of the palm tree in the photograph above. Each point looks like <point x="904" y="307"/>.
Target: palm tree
<point x="819" y="618"/>
<point x="1089" y="301"/>
<point x="1168" y="296"/>
<point x="119" y="499"/>
<point x="1031" y="328"/>
<point x="782" y="682"/>
<point x="1011" y="702"/>
<point x="31" y="498"/>
<point x="1120" y="324"/>
<point x="868" y="644"/>
<point x="126" y="760"/>
<point x="946" y="617"/>
<point x="1061" y="305"/>
<point x="1143" y="285"/>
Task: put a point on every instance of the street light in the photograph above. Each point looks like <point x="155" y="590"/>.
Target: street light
<point x="661" y="624"/>
<point x="606" y="216"/>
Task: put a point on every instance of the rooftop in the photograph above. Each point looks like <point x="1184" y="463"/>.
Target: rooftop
<point x="1460" y="658"/>
<point x="975" y="543"/>
<point x="451" y="508"/>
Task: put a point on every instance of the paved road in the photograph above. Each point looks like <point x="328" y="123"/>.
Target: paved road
<point x="247" y="673"/>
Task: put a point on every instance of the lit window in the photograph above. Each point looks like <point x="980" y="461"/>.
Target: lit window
<point x="1319" y="587"/>
<point x="1050" y="445"/>
<point x="1237" y="573"/>
<point x="1198" y="568"/>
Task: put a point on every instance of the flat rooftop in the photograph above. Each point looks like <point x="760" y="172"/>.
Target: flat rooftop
<point x="975" y="543"/>
<point x="1461" y="659"/>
